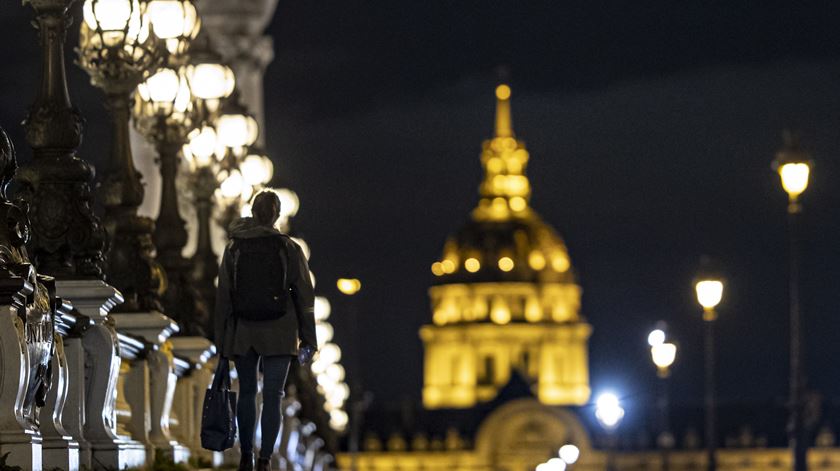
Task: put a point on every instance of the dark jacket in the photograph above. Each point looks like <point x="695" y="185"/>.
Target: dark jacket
<point x="275" y="337"/>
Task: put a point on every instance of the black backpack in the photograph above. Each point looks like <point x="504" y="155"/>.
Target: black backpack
<point x="260" y="290"/>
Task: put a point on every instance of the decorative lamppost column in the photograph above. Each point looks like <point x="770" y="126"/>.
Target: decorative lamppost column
<point x="117" y="51"/>
<point x="794" y="167"/>
<point x="205" y="262"/>
<point x="211" y="81"/>
<point x="68" y="239"/>
<point x="163" y="114"/>
<point x="709" y="289"/>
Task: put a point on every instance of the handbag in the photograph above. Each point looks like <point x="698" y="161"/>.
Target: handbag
<point x="218" y="419"/>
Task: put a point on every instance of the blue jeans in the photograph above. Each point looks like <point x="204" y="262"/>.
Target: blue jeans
<point x="275" y="371"/>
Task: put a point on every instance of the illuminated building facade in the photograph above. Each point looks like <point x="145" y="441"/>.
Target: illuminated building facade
<point x="505" y="297"/>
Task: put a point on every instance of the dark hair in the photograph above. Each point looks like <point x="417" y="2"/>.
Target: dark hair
<point x="266" y="207"/>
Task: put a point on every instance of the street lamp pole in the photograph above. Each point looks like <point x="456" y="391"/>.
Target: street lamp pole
<point x="711" y="438"/>
<point x="609" y="413"/>
<point x="663" y="355"/>
<point x="793" y="166"/>
<point x="117" y="50"/>
<point x="68" y="239"/>
<point x="709" y="293"/>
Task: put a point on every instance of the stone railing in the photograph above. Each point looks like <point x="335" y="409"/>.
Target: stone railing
<point x="82" y="387"/>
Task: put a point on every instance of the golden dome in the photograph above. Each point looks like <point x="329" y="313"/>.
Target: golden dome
<point x="505" y="240"/>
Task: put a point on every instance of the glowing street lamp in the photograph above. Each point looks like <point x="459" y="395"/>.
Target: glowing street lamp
<point x="709" y="294"/>
<point x="348" y="286"/>
<point x="569" y="454"/>
<point x="708" y="287"/>
<point x="176" y="22"/>
<point x="256" y="168"/>
<point x="118" y="52"/>
<point x="609" y="413"/>
<point x="554" y="464"/>
<point x="794" y="167"/>
<point x="656" y="337"/>
<point x="236" y="128"/>
<point x="663" y="357"/>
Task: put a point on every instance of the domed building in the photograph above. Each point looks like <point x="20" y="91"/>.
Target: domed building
<point x="506" y="349"/>
<point x="505" y="298"/>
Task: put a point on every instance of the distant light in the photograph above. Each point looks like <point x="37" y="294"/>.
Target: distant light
<point x="233" y="186"/>
<point x="338" y="419"/>
<point x="324" y="333"/>
<point x="322" y="308"/>
<point x="437" y="269"/>
<point x="472" y="265"/>
<point x="448" y="266"/>
<point x="499" y="312"/>
<point x="348" y="286"/>
<point x="569" y="453"/>
<point x="560" y="262"/>
<point x="709" y="293"/>
<point x="794" y="178"/>
<point x="556" y="464"/>
<point x="330" y="354"/>
<point x="663" y="355"/>
<point x="656" y="337"/>
<point x="536" y="260"/>
<point x="518" y="203"/>
<point x="608" y="411"/>
<point x="506" y="264"/>
<point x="503" y="92"/>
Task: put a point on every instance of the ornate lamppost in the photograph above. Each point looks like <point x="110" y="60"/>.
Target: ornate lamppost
<point x="67" y="237"/>
<point x="117" y="50"/>
<point x="709" y="289"/>
<point x="201" y="152"/>
<point x="794" y="167"/>
<point x="165" y="115"/>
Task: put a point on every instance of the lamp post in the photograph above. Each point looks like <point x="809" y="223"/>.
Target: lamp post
<point x="663" y="355"/>
<point x="117" y="50"/>
<point x="68" y="239"/>
<point x="609" y="413"/>
<point x="794" y="167"/>
<point x="210" y="82"/>
<point x="164" y="113"/>
<point x="709" y="290"/>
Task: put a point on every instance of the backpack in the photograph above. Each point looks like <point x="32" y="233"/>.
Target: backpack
<point x="260" y="290"/>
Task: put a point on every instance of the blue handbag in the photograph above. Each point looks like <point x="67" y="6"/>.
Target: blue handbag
<point x="218" y="419"/>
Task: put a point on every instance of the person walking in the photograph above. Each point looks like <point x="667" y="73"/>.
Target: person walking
<point x="264" y="313"/>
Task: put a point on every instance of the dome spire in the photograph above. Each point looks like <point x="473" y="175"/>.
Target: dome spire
<point x="504" y="123"/>
<point x="505" y="189"/>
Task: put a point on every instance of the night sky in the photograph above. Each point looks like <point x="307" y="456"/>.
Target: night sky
<point x="651" y="127"/>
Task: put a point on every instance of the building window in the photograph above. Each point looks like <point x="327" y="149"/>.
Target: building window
<point x="488" y="372"/>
